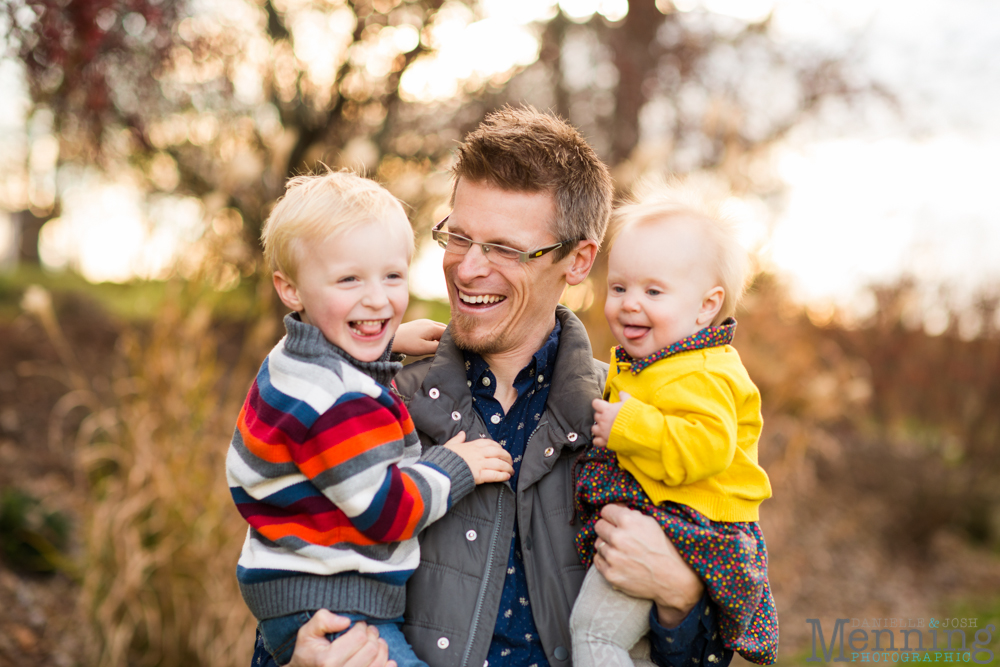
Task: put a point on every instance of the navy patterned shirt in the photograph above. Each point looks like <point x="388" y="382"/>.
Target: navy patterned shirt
<point x="515" y="638"/>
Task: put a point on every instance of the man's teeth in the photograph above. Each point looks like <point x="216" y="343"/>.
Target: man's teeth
<point x="482" y="298"/>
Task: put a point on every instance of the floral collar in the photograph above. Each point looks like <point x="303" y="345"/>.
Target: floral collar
<point x="707" y="337"/>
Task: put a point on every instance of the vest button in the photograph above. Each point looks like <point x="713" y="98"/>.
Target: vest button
<point x="456" y="416"/>
<point x="471" y="535"/>
<point x="571" y="436"/>
<point x="434" y="392"/>
<point x="549" y="451"/>
<point x="443" y="643"/>
<point x="561" y="653"/>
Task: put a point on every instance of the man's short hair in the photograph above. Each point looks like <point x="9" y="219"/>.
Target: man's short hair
<point x="318" y="206"/>
<point x="731" y="261"/>
<point x="520" y="149"/>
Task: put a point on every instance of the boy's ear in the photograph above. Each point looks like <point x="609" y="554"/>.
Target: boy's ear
<point x="581" y="261"/>
<point x="287" y="292"/>
<point x="711" y="304"/>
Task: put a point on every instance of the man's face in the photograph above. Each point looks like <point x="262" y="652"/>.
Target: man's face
<point x="499" y="309"/>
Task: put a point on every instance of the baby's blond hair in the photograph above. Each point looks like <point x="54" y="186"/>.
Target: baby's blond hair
<point x="318" y="206"/>
<point x="656" y="202"/>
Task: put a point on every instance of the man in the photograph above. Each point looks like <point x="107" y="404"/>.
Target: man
<point x="499" y="573"/>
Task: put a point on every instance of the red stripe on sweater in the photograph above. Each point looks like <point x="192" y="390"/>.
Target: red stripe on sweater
<point x="263" y="441"/>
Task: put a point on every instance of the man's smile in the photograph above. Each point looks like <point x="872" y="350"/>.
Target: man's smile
<point x="477" y="299"/>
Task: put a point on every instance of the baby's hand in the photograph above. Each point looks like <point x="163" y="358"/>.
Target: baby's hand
<point x="488" y="461"/>
<point x="604" y="417"/>
<point x="418" y="338"/>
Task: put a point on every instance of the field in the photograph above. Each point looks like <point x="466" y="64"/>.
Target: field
<point x="118" y="541"/>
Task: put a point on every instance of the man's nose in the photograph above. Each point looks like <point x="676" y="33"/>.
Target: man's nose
<point x="474" y="263"/>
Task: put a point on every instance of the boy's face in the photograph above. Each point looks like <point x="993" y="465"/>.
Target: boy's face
<point x="353" y="287"/>
<point x="661" y="286"/>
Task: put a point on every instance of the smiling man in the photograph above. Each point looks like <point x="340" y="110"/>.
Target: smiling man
<point x="499" y="572"/>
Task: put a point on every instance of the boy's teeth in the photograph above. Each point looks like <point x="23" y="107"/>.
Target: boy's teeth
<point x="367" y="327"/>
<point x="482" y="298"/>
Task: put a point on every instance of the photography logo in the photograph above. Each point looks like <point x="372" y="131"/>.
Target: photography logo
<point x="903" y="640"/>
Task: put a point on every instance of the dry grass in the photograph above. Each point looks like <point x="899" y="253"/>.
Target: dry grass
<point x="162" y="534"/>
<point x="881" y="442"/>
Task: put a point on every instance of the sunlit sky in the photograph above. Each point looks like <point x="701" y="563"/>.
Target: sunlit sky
<point x="871" y="194"/>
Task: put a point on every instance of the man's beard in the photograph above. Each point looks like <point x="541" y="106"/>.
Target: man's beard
<point x="464" y="333"/>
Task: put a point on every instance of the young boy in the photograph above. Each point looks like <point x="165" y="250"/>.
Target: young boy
<point x="680" y="425"/>
<point x="325" y="464"/>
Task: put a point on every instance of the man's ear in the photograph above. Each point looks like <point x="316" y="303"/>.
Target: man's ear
<point x="711" y="304"/>
<point x="581" y="260"/>
<point x="287" y="291"/>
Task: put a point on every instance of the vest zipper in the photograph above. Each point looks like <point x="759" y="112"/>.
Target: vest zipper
<point x="486" y="577"/>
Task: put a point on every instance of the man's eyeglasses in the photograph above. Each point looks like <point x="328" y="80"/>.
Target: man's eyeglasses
<point x="496" y="253"/>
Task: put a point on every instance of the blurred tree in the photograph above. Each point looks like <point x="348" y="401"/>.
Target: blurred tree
<point x="223" y="101"/>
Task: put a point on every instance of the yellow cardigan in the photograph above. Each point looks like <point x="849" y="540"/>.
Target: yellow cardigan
<point x="689" y="431"/>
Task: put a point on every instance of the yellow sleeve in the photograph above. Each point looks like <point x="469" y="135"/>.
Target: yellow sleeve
<point x="687" y="434"/>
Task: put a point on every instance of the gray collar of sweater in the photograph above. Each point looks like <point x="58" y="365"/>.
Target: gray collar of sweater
<point x="306" y="340"/>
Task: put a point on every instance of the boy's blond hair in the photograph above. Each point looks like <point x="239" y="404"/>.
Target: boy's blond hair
<point x="318" y="206"/>
<point x="658" y="202"/>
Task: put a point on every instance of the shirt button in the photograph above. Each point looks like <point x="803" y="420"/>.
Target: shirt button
<point x="443" y="642"/>
<point x="434" y="393"/>
<point x="495" y="419"/>
<point x="571" y="436"/>
<point x="471" y="535"/>
<point x="486" y="382"/>
<point x="549" y="451"/>
<point x="456" y="415"/>
<point x="541" y="378"/>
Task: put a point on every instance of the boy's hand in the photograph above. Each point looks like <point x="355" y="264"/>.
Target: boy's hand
<point x="488" y="461"/>
<point x="604" y="417"/>
<point x="417" y="338"/>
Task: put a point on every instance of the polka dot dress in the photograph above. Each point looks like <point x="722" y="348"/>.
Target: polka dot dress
<point x="729" y="557"/>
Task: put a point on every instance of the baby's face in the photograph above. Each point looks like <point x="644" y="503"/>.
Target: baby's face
<point x="659" y="274"/>
<point x="353" y="287"/>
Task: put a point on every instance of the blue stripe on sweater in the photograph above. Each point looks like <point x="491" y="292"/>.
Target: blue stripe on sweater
<point x="283" y="402"/>
<point x="284" y="498"/>
<point x="367" y="519"/>
<point x="261" y="575"/>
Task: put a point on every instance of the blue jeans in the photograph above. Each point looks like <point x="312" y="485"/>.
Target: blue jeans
<point x="277" y="637"/>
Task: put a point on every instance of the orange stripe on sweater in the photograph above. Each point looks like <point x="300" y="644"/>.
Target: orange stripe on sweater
<point x="270" y="452"/>
<point x="341" y="534"/>
<point x="339" y="452"/>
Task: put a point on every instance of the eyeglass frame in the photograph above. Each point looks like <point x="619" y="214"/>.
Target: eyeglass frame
<point x="523" y="257"/>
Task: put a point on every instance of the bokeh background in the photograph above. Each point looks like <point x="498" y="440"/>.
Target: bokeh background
<point x="142" y="143"/>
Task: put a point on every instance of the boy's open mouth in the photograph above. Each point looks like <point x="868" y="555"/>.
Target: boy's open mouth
<point x="480" y="300"/>
<point x="367" y="328"/>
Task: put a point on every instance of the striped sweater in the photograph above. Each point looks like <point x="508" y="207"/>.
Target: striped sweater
<point x="326" y="467"/>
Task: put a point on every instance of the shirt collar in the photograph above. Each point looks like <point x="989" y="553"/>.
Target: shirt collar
<point x="707" y="337"/>
<point x="476" y="367"/>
